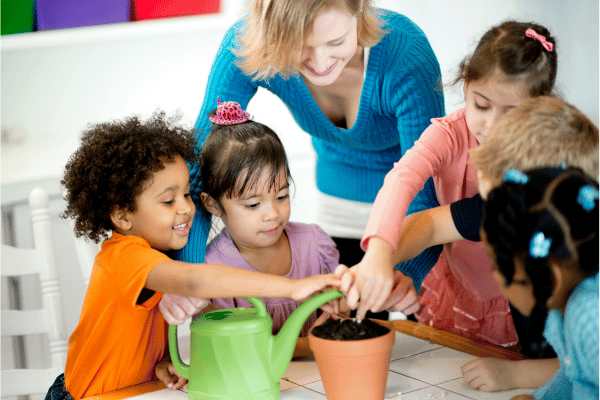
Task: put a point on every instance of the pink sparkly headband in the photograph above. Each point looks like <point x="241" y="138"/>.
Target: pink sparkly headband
<point x="542" y="39"/>
<point x="229" y="113"/>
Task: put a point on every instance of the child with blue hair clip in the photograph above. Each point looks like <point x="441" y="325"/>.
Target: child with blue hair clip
<point x="541" y="228"/>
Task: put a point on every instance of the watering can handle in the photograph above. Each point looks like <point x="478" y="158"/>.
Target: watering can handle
<point x="181" y="368"/>
<point x="259" y="305"/>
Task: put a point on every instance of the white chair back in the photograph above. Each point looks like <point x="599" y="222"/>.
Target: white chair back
<point x="17" y="262"/>
<point x="86" y="251"/>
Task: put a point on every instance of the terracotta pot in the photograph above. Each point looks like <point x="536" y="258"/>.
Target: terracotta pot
<point x="354" y="369"/>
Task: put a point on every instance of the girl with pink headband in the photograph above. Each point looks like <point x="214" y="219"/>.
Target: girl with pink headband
<point x="512" y="62"/>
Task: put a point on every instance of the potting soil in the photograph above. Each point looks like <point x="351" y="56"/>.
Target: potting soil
<point x="348" y="329"/>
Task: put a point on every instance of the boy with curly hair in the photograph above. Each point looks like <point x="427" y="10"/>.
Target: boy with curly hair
<point x="129" y="185"/>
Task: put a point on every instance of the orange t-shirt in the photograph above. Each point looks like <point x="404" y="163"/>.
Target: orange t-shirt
<point x="117" y="342"/>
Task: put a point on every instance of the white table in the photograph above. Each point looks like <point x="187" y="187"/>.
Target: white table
<point x="425" y="367"/>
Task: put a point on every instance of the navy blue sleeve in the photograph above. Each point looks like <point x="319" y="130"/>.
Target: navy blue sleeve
<point x="467" y="215"/>
<point x="417" y="268"/>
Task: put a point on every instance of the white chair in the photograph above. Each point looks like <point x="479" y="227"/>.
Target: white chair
<point x="86" y="254"/>
<point x="17" y="262"/>
<point x="86" y="251"/>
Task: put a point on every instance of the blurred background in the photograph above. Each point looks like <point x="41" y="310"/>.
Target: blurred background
<point x="57" y="76"/>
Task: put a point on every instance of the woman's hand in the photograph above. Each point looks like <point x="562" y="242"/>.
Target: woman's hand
<point x="165" y="371"/>
<point x="301" y="289"/>
<point x="176" y="309"/>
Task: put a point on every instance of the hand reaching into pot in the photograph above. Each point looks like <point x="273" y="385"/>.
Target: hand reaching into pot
<point x="402" y="295"/>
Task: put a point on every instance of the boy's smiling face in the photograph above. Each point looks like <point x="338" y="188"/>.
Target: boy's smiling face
<point x="164" y="210"/>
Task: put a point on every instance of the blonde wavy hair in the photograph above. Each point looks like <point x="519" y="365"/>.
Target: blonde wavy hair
<point x="541" y="132"/>
<point x="275" y="31"/>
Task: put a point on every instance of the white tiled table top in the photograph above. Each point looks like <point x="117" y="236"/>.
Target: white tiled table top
<point x="418" y="370"/>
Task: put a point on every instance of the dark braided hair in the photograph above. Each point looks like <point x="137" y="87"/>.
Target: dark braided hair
<point x="548" y="202"/>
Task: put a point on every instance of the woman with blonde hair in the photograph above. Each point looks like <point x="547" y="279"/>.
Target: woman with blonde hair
<point x="362" y="81"/>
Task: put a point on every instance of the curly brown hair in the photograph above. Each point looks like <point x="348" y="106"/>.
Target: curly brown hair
<point x="113" y="163"/>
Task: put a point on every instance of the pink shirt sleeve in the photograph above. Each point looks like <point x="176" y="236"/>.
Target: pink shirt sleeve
<point x="438" y="147"/>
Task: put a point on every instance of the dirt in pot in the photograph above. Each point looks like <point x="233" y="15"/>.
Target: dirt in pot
<point x="348" y="329"/>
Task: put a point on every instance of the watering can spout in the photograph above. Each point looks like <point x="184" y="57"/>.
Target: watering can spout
<point x="285" y="341"/>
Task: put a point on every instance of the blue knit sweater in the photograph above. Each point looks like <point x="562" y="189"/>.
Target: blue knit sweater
<point x="401" y="93"/>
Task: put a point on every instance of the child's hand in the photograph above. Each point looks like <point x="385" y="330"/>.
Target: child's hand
<point x="403" y="297"/>
<point x="335" y="307"/>
<point x="372" y="280"/>
<point x="176" y="309"/>
<point x="165" y="371"/>
<point x="490" y="374"/>
<point x="302" y="289"/>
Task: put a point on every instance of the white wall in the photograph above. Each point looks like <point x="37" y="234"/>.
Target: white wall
<point x="454" y="27"/>
<point x="54" y="83"/>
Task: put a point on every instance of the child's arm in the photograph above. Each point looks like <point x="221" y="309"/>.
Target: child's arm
<point x="374" y="274"/>
<point x="214" y="281"/>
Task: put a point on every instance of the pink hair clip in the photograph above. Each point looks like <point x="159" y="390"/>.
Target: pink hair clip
<point x="542" y="39"/>
<point x="229" y="113"/>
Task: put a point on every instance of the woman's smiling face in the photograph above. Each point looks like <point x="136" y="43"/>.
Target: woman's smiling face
<point x="331" y="44"/>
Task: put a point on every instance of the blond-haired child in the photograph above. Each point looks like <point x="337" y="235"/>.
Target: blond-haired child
<point x="542" y="131"/>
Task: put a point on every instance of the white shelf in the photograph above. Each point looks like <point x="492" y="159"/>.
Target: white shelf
<point x="230" y="11"/>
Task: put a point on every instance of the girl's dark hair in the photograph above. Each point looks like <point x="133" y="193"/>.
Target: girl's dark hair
<point x="244" y="151"/>
<point x="113" y="163"/>
<point x="551" y="203"/>
<point x="506" y="47"/>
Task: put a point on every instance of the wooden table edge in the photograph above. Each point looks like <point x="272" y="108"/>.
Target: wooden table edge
<point x="456" y="342"/>
<point x="125" y="393"/>
<point x="425" y="332"/>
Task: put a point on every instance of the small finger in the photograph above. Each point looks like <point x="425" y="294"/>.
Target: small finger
<point x="381" y="296"/>
<point x="341" y="269"/>
<point x="347" y="282"/>
<point x="367" y="295"/>
<point x="411" y="309"/>
<point x="352" y="297"/>
<point x="180" y="383"/>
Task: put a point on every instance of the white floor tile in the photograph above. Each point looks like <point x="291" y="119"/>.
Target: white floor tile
<point x="301" y="393"/>
<point x="461" y="387"/>
<point x="429" y="393"/>
<point x="302" y="371"/>
<point x="286" y="385"/>
<point x="433" y="367"/>
<point x="395" y="383"/>
<point x="400" y="383"/>
<point x="166" y="394"/>
<point x="406" y="345"/>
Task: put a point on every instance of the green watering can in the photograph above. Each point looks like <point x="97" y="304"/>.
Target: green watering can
<point x="234" y="355"/>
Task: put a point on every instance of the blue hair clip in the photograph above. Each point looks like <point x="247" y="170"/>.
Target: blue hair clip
<point x="516" y="176"/>
<point x="539" y="246"/>
<point x="563" y="165"/>
<point x="587" y="197"/>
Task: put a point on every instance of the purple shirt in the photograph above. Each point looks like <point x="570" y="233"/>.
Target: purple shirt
<point x="313" y="253"/>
